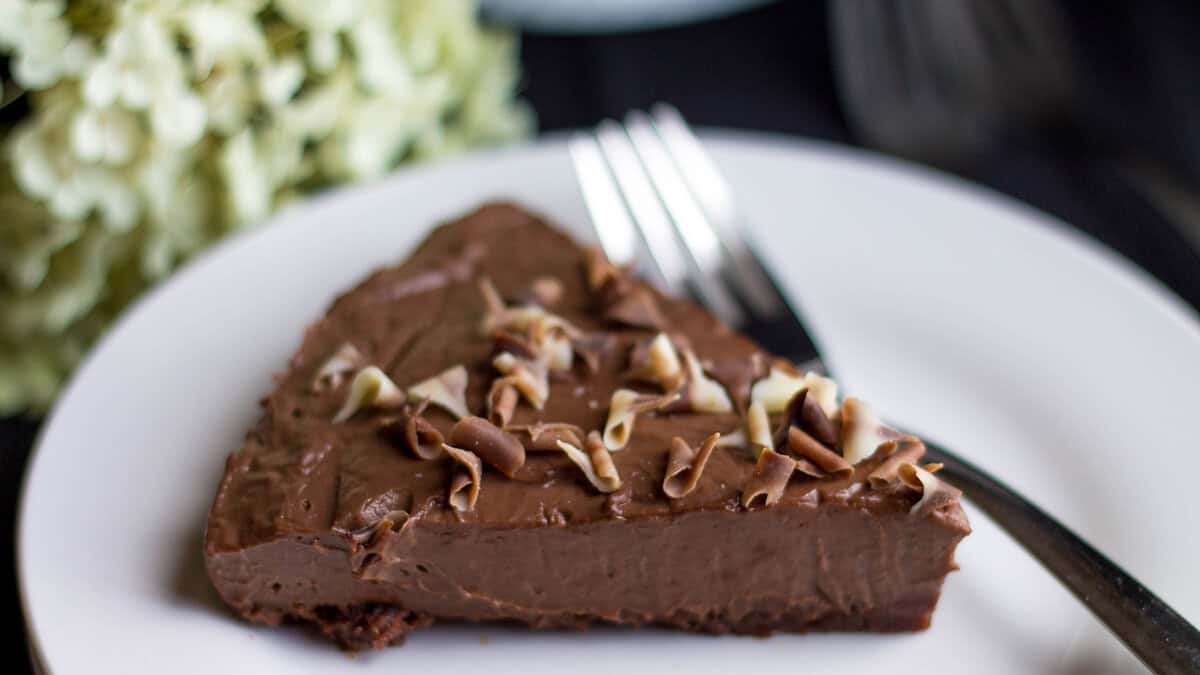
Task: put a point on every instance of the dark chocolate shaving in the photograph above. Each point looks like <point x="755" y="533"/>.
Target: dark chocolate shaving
<point x="502" y="402"/>
<point x="498" y="448"/>
<point x="521" y="346"/>
<point x="904" y="451"/>
<point x="685" y="465"/>
<point x="544" y="437"/>
<point x="637" y="309"/>
<point x="809" y="448"/>
<point x="769" y="479"/>
<point x="804" y="412"/>
<point x="591" y="347"/>
<point x="465" y="482"/>
<point x="415" y="434"/>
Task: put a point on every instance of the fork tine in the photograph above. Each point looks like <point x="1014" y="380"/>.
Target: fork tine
<point x="610" y="220"/>
<point x="715" y="196"/>
<point x="690" y="225"/>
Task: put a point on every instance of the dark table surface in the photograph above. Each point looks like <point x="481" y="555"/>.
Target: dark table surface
<point x="770" y="69"/>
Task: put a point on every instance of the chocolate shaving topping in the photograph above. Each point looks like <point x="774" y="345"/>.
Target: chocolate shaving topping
<point x="447" y="390"/>
<point x="465" y="482"/>
<point x="862" y="432"/>
<point x="809" y="448"/>
<point x="904" y="451"/>
<point x="596" y="463"/>
<point x="802" y="411"/>
<point x="543" y="291"/>
<point x="333" y="371"/>
<point x="734" y="439"/>
<point x="635" y="308"/>
<point x="416" y="434"/>
<point x="625" y="406"/>
<point x="599" y="270"/>
<point x="657" y="361"/>
<point x="782" y="383"/>
<point x="371" y="388"/>
<point x="544" y="437"/>
<point x="685" y="465"/>
<point x="807" y="468"/>
<point x="934" y="493"/>
<point x="516" y="344"/>
<point x="530" y="378"/>
<point x="496" y="447"/>
<point x="770" y="477"/>
<point x="758" y="428"/>
<point x="704" y="395"/>
<point x="502" y="402"/>
<point x="592" y="347"/>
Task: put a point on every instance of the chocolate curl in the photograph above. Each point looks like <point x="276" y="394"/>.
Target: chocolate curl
<point x="416" y="434"/>
<point x="704" y="394"/>
<point x="543" y="291"/>
<point x="544" y="437"/>
<point x="783" y="382"/>
<point x="447" y="390"/>
<point x="371" y="388"/>
<point x="493" y="305"/>
<point x="518" y="345"/>
<point x="827" y="460"/>
<point x="802" y="411"/>
<point x="465" y="483"/>
<point x="934" y="493"/>
<point x="527" y="377"/>
<point x="770" y="477"/>
<point x="493" y="445"/>
<point x="591" y="347"/>
<point x="904" y="451"/>
<point x="862" y="432"/>
<point x="502" y="402"/>
<point x="685" y="465"/>
<point x="596" y="463"/>
<point x="734" y="439"/>
<point x="635" y="308"/>
<point x="758" y="428"/>
<point x="333" y="371"/>
<point x="598" y="269"/>
<point x="657" y="361"/>
<point x="623" y="411"/>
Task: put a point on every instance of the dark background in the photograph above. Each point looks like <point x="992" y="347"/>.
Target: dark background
<point x="772" y="69"/>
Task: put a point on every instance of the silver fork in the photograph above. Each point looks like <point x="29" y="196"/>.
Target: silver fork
<point x="650" y="179"/>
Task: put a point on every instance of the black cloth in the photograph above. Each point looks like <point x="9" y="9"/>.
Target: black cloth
<point x="770" y="69"/>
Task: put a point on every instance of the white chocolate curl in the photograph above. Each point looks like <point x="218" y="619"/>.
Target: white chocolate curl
<point x="596" y="463"/>
<point x="447" y="390"/>
<point x="758" y="428"/>
<point x="623" y="410"/>
<point x="343" y="361"/>
<point x="662" y="364"/>
<point x="705" y="395"/>
<point x="780" y="385"/>
<point x="371" y="388"/>
<point x="527" y="377"/>
<point x="922" y="479"/>
<point x="862" y="432"/>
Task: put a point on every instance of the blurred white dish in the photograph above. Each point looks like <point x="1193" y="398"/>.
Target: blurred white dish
<point x="1047" y="359"/>
<point x="607" y="16"/>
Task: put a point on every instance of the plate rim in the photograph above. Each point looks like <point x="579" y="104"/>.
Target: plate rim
<point x="1122" y="269"/>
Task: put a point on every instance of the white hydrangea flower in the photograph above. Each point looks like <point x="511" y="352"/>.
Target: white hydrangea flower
<point x="170" y="123"/>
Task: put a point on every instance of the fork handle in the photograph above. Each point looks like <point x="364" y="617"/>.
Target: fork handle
<point x="1157" y="634"/>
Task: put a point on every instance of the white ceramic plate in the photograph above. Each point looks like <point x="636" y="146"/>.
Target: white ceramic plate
<point x="1038" y="354"/>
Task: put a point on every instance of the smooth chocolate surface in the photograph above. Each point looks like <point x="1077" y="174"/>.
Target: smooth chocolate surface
<point x="341" y="525"/>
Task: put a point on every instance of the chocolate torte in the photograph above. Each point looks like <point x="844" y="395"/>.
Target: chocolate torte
<point x="508" y="427"/>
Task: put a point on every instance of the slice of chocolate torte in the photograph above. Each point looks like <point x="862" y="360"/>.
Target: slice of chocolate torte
<point x="508" y="427"/>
